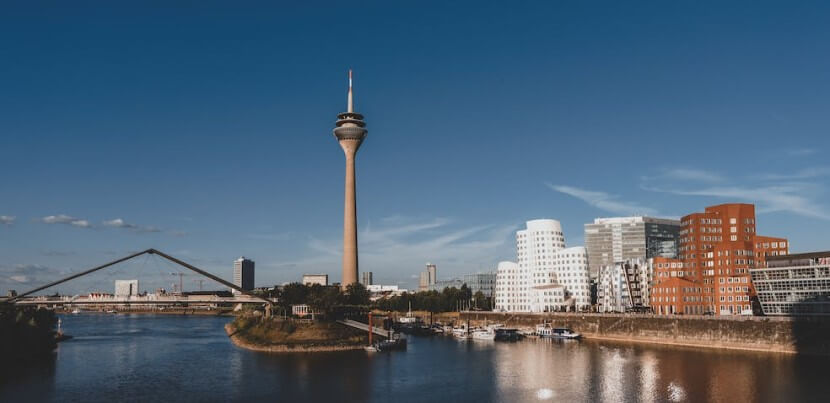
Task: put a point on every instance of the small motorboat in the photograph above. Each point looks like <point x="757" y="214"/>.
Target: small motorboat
<point x="483" y="334"/>
<point x="545" y="330"/>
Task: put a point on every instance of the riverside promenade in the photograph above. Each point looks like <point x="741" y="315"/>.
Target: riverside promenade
<point x="801" y="335"/>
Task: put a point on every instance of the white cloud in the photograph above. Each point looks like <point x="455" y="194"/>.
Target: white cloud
<point x="7" y="220"/>
<point x="604" y="201"/>
<point x="120" y="223"/>
<point x="65" y="219"/>
<point x="20" y="279"/>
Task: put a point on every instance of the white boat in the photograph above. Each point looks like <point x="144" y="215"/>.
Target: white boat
<point x="371" y="349"/>
<point x="547" y="331"/>
<point x="76" y="311"/>
<point x="461" y="332"/>
<point x="484" y="334"/>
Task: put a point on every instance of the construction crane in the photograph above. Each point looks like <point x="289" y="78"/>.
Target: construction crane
<point x="200" y="282"/>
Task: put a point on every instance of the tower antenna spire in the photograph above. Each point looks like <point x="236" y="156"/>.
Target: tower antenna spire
<point x="350" y="106"/>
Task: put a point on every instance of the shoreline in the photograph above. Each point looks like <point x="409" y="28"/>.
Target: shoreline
<point x="230" y="329"/>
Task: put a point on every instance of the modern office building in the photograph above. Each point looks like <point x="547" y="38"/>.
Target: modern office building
<point x="320" y="279"/>
<point x="716" y="250"/>
<point x="548" y="276"/>
<point x="366" y="278"/>
<point x="624" y="286"/>
<point x="797" y="284"/>
<point x="617" y="239"/>
<point x="428" y="277"/>
<point x="484" y="282"/>
<point x="243" y="274"/>
<point x="126" y="288"/>
<point x="350" y="131"/>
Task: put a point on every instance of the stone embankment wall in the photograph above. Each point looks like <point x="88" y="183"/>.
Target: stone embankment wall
<point x="773" y="334"/>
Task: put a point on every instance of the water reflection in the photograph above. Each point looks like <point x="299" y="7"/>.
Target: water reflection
<point x="144" y="358"/>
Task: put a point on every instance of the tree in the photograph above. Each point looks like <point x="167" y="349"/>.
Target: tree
<point x="357" y="294"/>
<point x="294" y="294"/>
<point x="480" y="300"/>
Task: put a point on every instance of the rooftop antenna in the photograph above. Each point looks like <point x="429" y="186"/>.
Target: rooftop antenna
<point x="350" y="106"/>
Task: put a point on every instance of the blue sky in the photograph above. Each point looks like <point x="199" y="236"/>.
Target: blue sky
<point x="204" y="129"/>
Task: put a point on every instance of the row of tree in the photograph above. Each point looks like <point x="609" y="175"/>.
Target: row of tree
<point x="448" y="300"/>
<point x="331" y="299"/>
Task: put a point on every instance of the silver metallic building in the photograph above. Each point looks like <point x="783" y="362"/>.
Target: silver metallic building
<point x="618" y="239"/>
<point x="797" y="284"/>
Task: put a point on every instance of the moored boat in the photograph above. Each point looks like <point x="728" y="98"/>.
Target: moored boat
<point x="547" y="331"/>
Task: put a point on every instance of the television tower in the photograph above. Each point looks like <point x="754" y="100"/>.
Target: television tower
<point x="350" y="131"/>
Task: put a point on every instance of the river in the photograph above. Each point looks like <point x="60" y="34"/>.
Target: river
<point x="147" y="358"/>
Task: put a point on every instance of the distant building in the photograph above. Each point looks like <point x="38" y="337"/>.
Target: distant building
<point x="11" y="293"/>
<point x="311" y="279"/>
<point x="797" y="284"/>
<point x="618" y="239"/>
<point x="366" y="278"/>
<point x="428" y="277"/>
<point x="126" y="288"/>
<point x="624" y="286"/>
<point x="484" y="282"/>
<point x="243" y="274"/>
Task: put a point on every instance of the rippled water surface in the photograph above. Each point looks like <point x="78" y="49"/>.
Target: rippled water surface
<point x="181" y="358"/>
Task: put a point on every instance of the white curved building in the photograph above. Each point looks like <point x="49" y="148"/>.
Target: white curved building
<point x="548" y="276"/>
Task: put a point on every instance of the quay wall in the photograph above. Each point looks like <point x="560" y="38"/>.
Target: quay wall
<point x="807" y="335"/>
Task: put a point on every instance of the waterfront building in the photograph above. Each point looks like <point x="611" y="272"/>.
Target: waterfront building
<point x="617" y="239"/>
<point x="428" y="277"/>
<point x="547" y="276"/>
<point x="508" y="288"/>
<point x="716" y="250"/>
<point x="484" y="282"/>
<point x="320" y="279"/>
<point x="243" y="274"/>
<point x="797" y="284"/>
<point x="350" y="131"/>
<point x="126" y="288"/>
<point x="624" y="286"/>
<point x="366" y="278"/>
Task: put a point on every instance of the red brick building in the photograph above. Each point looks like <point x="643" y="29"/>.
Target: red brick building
<point x="716" y="249"/>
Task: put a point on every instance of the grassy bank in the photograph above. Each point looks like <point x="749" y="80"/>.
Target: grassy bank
<point x="277" y="335"/>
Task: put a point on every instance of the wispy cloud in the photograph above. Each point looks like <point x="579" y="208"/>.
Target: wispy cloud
<point x="391" y="249"/>
<point x="120" y="223"/>
<point x="800" y="152"/>
<point x="604" y="201"/>
<point x="7" y="220"/>
<point x="687" y="174"/>
<point x="67" y="220"/>
<point x="806" y="173"/>
<point x="795" y="198"/>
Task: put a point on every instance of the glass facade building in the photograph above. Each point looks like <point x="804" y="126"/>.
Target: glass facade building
<point x="797" y="284"/>
<point x="618" y="239"/>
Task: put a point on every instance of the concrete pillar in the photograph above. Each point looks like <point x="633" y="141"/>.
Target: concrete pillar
<point x="350" y="215"/>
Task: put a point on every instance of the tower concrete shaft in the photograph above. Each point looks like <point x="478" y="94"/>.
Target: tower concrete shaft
<point x="350" y="131"/>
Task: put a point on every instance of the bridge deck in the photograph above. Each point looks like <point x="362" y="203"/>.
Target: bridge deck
<point x="362" y="326"/>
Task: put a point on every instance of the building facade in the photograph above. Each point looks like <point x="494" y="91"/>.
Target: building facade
<point x="428" y="277"/>
<point x="126" y="288"/>
<point x="312" y="279"/>
<point x="547" y="276"/>
<point x="716" y="250"/>
<point x="797" y="284"/>
<point x="484" y="282"/>
<point x="624" y="286"/>
<point x="243" y="274"/>
<point x="618" y="239"/>
<point x="366" y="278"/>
